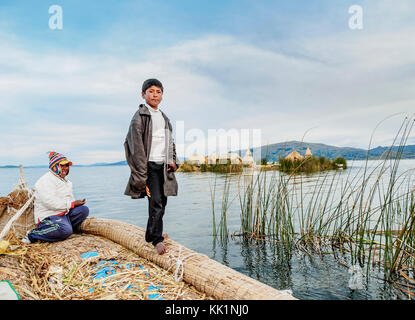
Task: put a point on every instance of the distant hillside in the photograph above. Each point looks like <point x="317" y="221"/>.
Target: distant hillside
<point x="408" y="152"/>
<point x="103" y="164"/>
<point x="276" y="150"/>
<point x="100" y="164"/>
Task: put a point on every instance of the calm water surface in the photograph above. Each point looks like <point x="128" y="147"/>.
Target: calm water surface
<point x="188" y="220"/>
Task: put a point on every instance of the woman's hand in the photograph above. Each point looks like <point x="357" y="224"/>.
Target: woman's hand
<point x="78" y="203"/>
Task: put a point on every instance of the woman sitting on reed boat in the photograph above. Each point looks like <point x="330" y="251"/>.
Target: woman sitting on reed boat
<point x="57" y="213"/>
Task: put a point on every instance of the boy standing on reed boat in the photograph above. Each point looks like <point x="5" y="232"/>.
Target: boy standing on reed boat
<point x="151" y="156"/>
<point x="57" y="213"/>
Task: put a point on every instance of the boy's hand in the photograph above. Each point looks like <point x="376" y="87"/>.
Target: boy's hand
<point x="78" y="203"/>
<point x="148" y="192"/>
<point x="171" y="166"/>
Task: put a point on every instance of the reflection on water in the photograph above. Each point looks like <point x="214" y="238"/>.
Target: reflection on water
<point x="308" y="277"/>
<point x="188" y="220"/>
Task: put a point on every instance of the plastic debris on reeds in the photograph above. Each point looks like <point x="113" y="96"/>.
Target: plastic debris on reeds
<point x="87" y="267"/>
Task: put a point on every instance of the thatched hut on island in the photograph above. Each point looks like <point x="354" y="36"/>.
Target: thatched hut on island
<point x="224" y="158"/>
<point x="212" y="158"/>
<point x="248" y="160"/>
<point x="294" y="156"/>
<point x="196" y="159"/>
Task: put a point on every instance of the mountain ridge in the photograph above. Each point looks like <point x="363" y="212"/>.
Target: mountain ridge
<point x="273" y="151"/>
<point x="282" y="149"/>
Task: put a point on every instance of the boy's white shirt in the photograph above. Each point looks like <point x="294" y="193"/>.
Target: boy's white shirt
<point x="158" y="143"/>
<point x="53" y="196"/>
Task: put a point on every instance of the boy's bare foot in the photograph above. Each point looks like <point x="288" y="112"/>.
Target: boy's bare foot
<point x="161" y="248"/>
<point x="165" y="236"/>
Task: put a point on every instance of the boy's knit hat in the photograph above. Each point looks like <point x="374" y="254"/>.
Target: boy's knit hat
<point x="54" y="160"/>
<point x="151" y="82"/>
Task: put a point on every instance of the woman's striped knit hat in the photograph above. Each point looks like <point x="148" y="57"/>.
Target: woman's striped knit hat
<point x="54" y="160"/>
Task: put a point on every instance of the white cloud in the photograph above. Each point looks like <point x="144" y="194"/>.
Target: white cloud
<point x="79" y="142"/>
<point x="349" y="83"/>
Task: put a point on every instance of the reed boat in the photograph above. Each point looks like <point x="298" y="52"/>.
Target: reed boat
<point x="110" y="259"/>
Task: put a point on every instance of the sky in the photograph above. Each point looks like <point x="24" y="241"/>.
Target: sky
<point x="290" y="70"/>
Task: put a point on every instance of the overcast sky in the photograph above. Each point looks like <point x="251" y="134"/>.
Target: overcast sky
<point x="286" y="68"/>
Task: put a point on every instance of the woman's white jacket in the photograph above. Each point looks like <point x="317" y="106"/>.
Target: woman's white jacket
<point x="53" y="196"/>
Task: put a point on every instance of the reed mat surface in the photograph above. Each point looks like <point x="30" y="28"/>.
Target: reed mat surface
<point x="87" y="267"/>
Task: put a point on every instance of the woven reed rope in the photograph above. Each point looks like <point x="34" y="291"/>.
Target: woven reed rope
<point x="205" y="274"/>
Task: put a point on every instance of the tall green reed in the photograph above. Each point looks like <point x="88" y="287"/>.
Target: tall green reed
<point x="370" y="215"/>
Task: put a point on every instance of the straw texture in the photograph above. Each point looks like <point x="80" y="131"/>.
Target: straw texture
<point x="88" y="267"/>
<point x="205" y="274"/>
<point x="294" y="156"/>
<point x="10" y="205"/>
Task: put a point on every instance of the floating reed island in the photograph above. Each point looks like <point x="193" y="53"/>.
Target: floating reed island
<point x="110" y="259"/>
<point x="233" y="163"/>
<point x="311" y="164"/>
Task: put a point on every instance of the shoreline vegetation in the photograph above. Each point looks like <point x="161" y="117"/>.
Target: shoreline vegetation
<point x="368" y="218"/>
<point x="308" y="165"/>
<point x="218" y="168"/>
<point x="311" y="164"/>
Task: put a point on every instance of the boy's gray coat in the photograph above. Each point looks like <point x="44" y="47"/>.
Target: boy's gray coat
<point x="137" y="147"/>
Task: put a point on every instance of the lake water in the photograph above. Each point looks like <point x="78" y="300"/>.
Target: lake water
<point x="188" y="220"/>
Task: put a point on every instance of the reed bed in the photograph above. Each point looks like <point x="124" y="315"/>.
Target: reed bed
<point x="217" y="168"/>
<point x="370" y="215"/>
<point x="311" y="164"/>
<point x="61" y="271"/>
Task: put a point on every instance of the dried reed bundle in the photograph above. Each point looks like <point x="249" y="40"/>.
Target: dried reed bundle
<point x="10" y="205"/>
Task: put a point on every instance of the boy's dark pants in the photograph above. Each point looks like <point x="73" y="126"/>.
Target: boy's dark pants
<point x="156" y="202"/>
